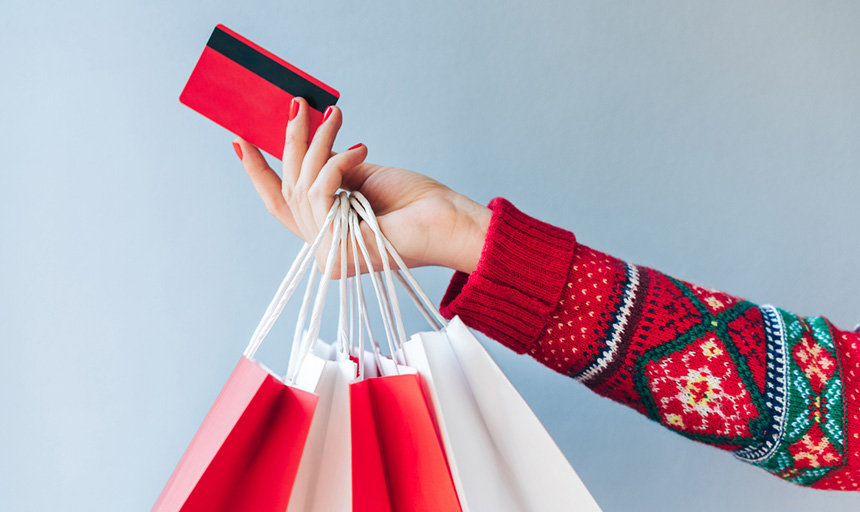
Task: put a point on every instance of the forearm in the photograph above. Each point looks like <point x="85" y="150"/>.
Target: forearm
<point x="758" y="381"/>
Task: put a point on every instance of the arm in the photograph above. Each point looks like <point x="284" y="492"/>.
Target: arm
<point x="780" y="391"/>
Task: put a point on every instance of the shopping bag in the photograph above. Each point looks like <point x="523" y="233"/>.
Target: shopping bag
<point x="324" y="480"/>
<point x="223" y="467"/>
<point x="247" y="452"/>
<point x="500" y="456"/>
<point x="398" y="459"/>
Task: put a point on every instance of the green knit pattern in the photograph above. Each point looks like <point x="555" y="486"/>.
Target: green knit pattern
<point x="811" y="438"/>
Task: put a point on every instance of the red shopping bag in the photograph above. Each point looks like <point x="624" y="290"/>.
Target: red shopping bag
<point x="398" y="462"/>
<point x="246" y="453"/>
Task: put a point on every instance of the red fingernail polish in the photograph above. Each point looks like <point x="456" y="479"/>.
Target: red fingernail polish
<point x="357" y="145"/>
<point x="326" y="113"/>
<point x="294" y="109"/>
<point x="238" y="149"/>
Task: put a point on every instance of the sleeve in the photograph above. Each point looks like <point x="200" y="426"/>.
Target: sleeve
<point x="779" y="391"/>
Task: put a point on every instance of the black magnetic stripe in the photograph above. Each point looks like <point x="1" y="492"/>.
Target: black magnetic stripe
<point x="270" y="70"/>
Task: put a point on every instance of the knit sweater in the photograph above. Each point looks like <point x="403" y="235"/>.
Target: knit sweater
<point x="779" y="391"/>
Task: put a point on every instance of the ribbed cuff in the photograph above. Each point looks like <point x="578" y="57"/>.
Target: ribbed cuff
<point x="517" y="284"/>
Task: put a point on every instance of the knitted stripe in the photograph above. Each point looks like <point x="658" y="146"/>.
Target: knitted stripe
<point x="776" y="389"/>
<point x="619" y="327"/>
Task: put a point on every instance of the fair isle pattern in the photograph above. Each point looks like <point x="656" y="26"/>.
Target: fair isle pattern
<point x="699" y="384"/>
<point x="811" y="444"/>
<point x="618" y="326"/>
<point x="698" y="390"/>
<point x="775" y="388"/>
<point x="661" y="311"/>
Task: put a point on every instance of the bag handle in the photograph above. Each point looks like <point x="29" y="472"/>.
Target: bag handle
<point x="290" y="282"/>
<point x="378" y="286"/>
<point x="363" y="319"/>
<point x="356" y="347"/>
<point x="363" y="208"/>
<point x="313" y="331"/>
<point x="300" y="322"/>
<point x="342" y="320"/>
<point x="420" y="305"/>
<point x="400" y="337"/>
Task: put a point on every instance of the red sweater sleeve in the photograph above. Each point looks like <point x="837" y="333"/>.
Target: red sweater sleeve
<point x="779" y="391"/>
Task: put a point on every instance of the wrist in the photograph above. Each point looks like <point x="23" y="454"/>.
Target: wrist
<point x="473" y="222"/>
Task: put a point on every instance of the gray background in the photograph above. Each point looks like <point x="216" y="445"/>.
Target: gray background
<point x="717" y="142"/>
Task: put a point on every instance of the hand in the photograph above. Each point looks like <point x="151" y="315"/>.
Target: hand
<point x="427" y="222"/>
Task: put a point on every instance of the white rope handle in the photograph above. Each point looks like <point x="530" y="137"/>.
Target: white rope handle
<point x="356" y="347"/>
<point x="400" y="337"/>
<point x="374" y="344"/>
<point x="316" y="315"/>
<point x="420" y="305"/>
<point x="344" y="215"/>
<point x="366" y="212"/>
<point x="360" y="303"/>
<point x="288" y="285"/>
<point x="353" y="347"/>
<point x="342" y="320"/>
<point x="378" y="287"/>
<point x="300" y="322"/>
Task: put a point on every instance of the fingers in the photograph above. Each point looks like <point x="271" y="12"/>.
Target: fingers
<point x="266" y="182"/>
<point x="295" y="152"/>
<point x="303" y="195"/>
<point x="319" y="150"/>
<point x="330" y="178"/>
<point x="317" y="206"/>
<point x="295" y="142"/>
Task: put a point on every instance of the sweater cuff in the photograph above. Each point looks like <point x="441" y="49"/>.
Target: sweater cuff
<point x="519" y="279"/>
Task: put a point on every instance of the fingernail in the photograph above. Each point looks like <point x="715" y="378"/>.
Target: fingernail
<point x="294" y="109"/>
<point x="357" y="145"/>
<point x="238" y="149"/>
<point x="326" y="113"/>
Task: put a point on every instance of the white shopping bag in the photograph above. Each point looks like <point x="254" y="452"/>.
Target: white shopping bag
<point x="501" y="456"/>
<point x="324" y="480"/>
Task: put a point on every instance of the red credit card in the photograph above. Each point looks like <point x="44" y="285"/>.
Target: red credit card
<point x="247" y="90"/>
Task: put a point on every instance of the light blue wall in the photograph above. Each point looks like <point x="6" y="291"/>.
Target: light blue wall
<point x="716" y="141"/>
